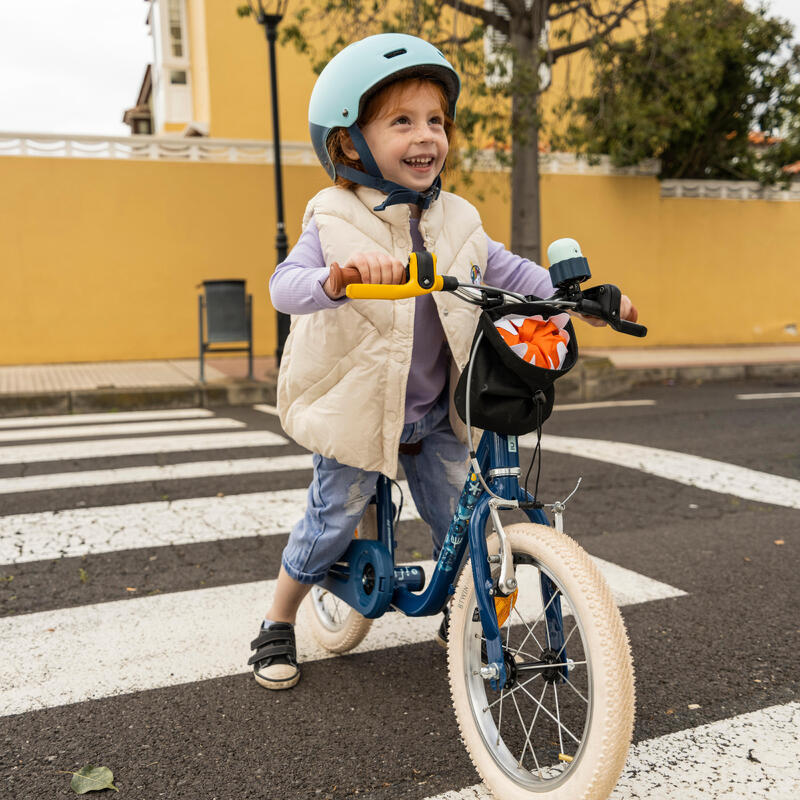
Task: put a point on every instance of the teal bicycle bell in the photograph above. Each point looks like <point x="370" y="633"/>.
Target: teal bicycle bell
<point x="567" y="264"/>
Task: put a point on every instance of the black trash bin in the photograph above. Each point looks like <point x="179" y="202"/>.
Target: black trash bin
<point x="225" y="315"/>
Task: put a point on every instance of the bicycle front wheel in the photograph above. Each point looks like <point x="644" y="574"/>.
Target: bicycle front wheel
<point x="562" y="725"/>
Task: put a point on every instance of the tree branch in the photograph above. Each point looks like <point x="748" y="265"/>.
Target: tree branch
<point x="617" y="21"/>
<point x="488" y="18"/>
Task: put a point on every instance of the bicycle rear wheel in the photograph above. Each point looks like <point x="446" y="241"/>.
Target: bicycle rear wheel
<point x="565" y="737"/>
<point x="334" y="624"/>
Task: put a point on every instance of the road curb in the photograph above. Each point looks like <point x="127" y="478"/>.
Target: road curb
<point x="137" y="398"/>
<point x="592" y="378"/>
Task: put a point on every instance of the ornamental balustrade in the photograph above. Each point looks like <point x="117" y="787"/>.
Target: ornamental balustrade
<point x="247" y="151"/>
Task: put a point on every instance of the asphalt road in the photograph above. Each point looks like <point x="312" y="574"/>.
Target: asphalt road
<point x="116" y="599"/>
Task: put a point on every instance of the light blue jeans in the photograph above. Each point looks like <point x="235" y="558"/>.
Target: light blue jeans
<point x="339" y="494"/>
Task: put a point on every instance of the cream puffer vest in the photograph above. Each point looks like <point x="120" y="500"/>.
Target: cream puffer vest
<point x="342" y="381"/>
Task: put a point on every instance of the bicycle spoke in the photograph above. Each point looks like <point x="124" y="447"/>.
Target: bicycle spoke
<point x="574" y="628"/>
<point x="529" y="634"/>
<point x="558" y="714"/>
<point x="537" y="621"/>
<point x="558" y="722"/>
<point x="509" y="692"/>
<point x="569" y="683"/>
<point x="533" y="752"/>
<point x="528" y="736"/>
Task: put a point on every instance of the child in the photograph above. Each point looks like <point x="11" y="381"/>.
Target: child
<point x="363" y="383"/>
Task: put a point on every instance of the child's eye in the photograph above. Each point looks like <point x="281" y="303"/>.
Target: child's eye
<point x="401" y="121"/>
<point x="437" y="121"/>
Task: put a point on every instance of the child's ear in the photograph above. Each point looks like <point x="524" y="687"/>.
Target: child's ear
<point x="348" y="148"/>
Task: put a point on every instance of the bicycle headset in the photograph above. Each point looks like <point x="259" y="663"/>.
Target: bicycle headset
<point x="348" y="81"/>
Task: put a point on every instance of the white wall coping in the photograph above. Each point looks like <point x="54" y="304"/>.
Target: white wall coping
<point x="252" y="151"/>
<point x="728" y="190"/>
<point x="256" y="151"/>
<point x="154" y="148"/>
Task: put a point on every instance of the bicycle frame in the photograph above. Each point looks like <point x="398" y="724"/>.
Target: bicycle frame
<point x="367" y="579"/>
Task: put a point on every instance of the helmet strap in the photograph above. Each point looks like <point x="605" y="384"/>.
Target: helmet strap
<point x="372" y="178"/>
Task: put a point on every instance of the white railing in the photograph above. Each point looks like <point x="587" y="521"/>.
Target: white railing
<point x="729" y="190"/>
<point x="569" y="164"/>
<point x="154" y="148"/>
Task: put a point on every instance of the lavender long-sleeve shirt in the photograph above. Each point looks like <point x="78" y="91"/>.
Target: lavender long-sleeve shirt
<point x="296" y="288"/>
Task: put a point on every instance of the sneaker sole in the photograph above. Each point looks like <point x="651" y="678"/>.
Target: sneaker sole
<point x="277" y="685"/>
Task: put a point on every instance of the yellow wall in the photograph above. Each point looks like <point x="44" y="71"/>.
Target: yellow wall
<point x="100" y="258"/>
<point x="238" y="74"/>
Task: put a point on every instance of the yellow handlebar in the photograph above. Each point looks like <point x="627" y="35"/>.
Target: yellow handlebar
<point x="393" y="291"/>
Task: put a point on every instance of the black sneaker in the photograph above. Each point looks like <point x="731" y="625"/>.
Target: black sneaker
<point x="275" y="660"/>
<point x="444" y="628"/>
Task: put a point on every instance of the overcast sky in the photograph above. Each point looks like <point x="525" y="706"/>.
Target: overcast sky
<point x="74" y="66"/>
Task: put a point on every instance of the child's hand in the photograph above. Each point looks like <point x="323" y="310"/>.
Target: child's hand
<point x="627" y="311"/>
<point x="373" y="268"/>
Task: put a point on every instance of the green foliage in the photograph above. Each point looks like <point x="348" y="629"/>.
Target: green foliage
<point x="705" y="75"/>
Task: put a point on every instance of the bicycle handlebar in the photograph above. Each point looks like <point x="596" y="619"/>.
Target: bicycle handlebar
<point x="602" y="301"/>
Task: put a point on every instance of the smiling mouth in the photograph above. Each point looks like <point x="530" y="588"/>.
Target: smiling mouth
<point x="419" y="163"/>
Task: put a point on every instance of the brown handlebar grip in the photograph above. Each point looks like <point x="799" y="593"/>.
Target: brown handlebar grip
<point x="341" y="277"/>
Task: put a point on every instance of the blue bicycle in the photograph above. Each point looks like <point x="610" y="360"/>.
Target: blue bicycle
<point x="539" y="662"/>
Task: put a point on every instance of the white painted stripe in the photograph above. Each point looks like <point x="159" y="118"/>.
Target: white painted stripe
<point x="603" y="404"/>
<point x="703" y="473"/>
<point x="64" y="451"/>
<point x="195" y="469"/>
<point x="767" y="396"/>
<point x="114" y="429"/>
<point x="741" y="758"/>
<point x="105" y="529"/>
<point x="108" y="416"/>
<point x="267" y="409"/>
<point x="65" y="656"/>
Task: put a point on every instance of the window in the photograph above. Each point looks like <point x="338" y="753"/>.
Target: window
<point x="177" y="77"/>
<point x="175" y="22"/>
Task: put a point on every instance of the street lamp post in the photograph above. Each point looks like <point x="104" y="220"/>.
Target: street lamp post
<point x="269" y="18"/>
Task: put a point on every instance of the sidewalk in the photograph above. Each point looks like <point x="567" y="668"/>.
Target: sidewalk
<point x="73" y="388"/>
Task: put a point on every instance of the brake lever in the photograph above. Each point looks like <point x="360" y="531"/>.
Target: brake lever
<point x="604" y="301"/>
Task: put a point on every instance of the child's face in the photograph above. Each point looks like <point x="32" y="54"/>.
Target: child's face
<point x="407" y="138"/>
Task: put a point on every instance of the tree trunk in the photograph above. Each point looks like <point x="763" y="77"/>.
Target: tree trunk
<point x="525" y="212"/>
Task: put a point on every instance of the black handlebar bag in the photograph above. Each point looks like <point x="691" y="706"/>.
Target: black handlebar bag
<point x="509" y="395"/>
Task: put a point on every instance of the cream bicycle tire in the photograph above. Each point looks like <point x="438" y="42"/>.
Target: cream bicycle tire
<point x="591" y="769"/>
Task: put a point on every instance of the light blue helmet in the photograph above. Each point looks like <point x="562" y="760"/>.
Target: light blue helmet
<point x="356" y="73"/>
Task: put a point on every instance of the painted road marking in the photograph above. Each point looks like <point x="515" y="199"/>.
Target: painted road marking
<point x="152" y="642"/>
<point x="105" y="529"/>
<point x="114" y="428"/>
<point x="767" y="396"/>
<point x="108" y="416"/>
<point x="603" y="404"/>
<point x="193" y="469"/>
<point x="66" y="451"/>
<point x="751" y="755"/>
<point x="703" y="473"/>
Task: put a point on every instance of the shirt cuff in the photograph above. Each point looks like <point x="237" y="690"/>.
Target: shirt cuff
<point x="318" y="293"/>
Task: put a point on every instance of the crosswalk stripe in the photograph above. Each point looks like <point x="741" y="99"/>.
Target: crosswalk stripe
<point x="267" y="409"/>
<point x="192" y="469"/>
<point x="602" y="404"/>
<point x="75" y="654"/>
<point x="768" y="396"/>
<point x="104" y="529"/>
<point x="64" y="451"/>
<point x="702" y="473"/>
<point x="747" y="756"/>
<point x="106" y="416"/>
<point x="115" y="428"/>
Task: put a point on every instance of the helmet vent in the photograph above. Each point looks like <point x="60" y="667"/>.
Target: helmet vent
<point x="395" y="53"/>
